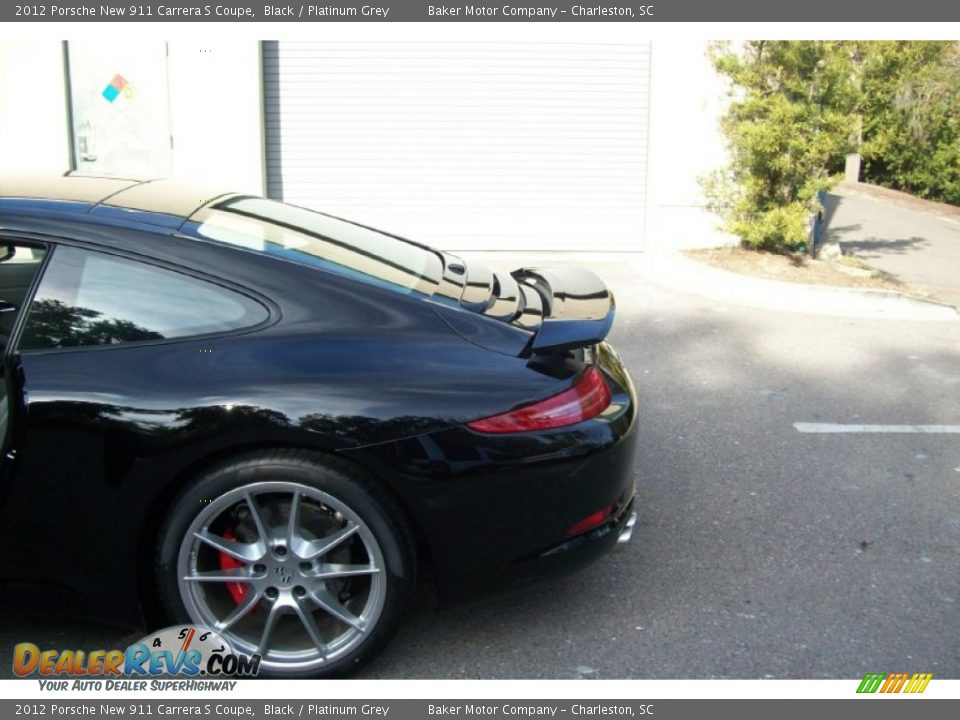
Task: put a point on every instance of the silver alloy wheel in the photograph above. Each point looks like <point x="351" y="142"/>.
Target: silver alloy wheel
<point x="284" y="570"/>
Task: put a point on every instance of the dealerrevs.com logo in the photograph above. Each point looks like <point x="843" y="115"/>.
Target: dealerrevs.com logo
<point x="179" y="651"/>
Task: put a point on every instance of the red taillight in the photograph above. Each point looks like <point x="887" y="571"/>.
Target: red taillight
<point x="589" y="397"/>
<point x="590" y="521"/>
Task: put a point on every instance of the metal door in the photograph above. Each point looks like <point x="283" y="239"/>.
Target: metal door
<point x="120" y="108"/>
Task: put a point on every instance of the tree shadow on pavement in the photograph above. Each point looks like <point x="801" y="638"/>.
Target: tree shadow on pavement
<point x="872" y="248"/>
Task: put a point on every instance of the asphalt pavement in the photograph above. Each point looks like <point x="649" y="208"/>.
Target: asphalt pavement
<point x="760" y="551"/>
<point x="917" y="247"/>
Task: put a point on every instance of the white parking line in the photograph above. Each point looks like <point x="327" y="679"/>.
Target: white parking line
<point x="805" y="427"/>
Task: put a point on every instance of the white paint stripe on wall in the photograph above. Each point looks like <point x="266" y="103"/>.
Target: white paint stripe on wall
<point x="902" y="429"/>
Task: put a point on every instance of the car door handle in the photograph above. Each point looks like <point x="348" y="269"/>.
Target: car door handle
<point x="6" y="307"/>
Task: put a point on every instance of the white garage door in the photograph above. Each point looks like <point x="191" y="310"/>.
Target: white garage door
<point x="481" y="146"/>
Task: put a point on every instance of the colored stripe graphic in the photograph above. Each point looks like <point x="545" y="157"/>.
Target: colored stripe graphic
<point x="894" y="682"/>
<point x="918" y="683"/>
<point x="870" y="683"/>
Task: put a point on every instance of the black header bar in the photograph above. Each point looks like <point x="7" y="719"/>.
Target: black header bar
<point x="825" y="11"/>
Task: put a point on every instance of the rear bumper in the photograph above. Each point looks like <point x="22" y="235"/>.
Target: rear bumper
<point x="494" y="511"/>
<point x="579" y="551"/>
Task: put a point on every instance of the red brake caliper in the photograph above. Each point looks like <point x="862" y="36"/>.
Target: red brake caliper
<point x="238" y="591"/>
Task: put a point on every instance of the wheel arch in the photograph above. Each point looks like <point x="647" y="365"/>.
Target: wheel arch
<point x="149" y="535"/>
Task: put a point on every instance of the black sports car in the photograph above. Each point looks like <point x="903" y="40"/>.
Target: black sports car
<point x="225" y="410"/>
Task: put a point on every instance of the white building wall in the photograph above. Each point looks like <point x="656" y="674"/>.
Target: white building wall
<point x="216" y="118"/>
<point x="494" y="145"/>
<point x="33" y="107"/>
<point x="688" y="98"/>
<point x="216" y="113"/>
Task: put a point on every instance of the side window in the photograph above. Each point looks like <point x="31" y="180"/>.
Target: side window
<point x="90" y="298"/>
<point x="18" y="265"/>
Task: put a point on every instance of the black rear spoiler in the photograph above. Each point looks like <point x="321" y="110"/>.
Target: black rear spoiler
<point x="578" y="308"/>
<point x="558" y="308"/>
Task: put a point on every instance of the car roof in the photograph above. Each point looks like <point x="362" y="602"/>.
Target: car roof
<point x="87" y="194"/>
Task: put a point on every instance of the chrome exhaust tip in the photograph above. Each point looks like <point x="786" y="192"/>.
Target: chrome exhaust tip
<point x="627" y="531"/>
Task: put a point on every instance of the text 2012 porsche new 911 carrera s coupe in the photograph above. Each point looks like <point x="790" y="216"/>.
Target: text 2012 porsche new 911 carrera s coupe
<point x="224" y="410"/>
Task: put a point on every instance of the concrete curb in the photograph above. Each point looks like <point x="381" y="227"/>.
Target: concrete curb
<point x="678" y="272"/>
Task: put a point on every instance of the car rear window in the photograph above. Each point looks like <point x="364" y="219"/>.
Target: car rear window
<point x="316" y="239"/>
<point x="91" y="298"/>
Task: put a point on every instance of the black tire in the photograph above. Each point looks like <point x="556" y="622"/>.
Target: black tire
<point x="337" y="492"/>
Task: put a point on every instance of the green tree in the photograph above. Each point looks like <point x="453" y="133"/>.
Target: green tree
<point x="793" y="114"/>
<point x="799" y="107"/>
<point x="910" y="100"/>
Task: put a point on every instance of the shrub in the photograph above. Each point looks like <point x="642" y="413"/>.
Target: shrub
<point x="789" y="123"/>
<point x="799" y="107"/>
<point x="911" y="140"/>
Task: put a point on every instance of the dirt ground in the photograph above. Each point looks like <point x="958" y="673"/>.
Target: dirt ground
<point x="845" y="272"/>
